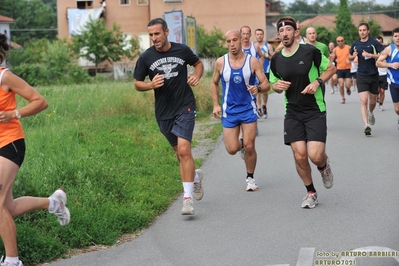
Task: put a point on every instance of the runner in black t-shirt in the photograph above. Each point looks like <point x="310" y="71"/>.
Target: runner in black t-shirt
<point x="305" y="124"/>
<point x="367" y="51"/>
<point x="165" y="63"/>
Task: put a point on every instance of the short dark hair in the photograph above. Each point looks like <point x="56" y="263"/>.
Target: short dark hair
<point x="158" y="21"/>
<point x="364" y="24"/>
<point x="379" y="38"/>
<point x="395" y="30"/>
<point x="259" y="30"/>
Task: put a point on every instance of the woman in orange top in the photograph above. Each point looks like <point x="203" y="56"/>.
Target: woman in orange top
<point x="12" y="152"/>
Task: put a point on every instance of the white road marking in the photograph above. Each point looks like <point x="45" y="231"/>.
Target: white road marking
<point x="305" y="257"/>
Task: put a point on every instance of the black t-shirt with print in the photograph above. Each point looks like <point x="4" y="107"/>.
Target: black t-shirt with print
<point x="175" y="96"/>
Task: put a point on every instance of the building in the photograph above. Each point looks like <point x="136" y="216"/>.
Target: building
<point x="133" y="15"/>
<point x="5" y="23"/>
<point x="387" y="23"/>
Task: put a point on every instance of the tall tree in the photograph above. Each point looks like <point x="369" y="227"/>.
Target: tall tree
<point x="343" y="23"/>
<point x="98" y="44"/>
<point x="33" y="20"/>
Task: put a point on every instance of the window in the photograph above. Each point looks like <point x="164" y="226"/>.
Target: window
<point x="124" y="2"/>
<point x="142" y="2"/>
<point x="173" y="1"/>
<point x="85" y="4"/>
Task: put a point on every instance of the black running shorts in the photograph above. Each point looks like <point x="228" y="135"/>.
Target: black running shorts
<point x="15" y="151"/>
<point x="367" y="83"/>
<point x="305" y="127"/>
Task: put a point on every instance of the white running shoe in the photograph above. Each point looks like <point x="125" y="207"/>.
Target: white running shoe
<point x="371" y="119"/>
<point x="381" y="107"/>
<point x="198" y="190"/>
<point x="188" y="208"/>
<point x="3" y="263"/>
<point x="61" y="211"/>
<point x="310" y="200"/>
<point x="327" y="175"/>
<point x="251" y="184"/>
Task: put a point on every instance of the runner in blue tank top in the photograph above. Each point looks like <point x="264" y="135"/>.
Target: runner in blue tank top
<point x="267" y="53"/>
<point x="237" y="70"/>
<point x="391" y="55"/>
<point x="253" y="49"/>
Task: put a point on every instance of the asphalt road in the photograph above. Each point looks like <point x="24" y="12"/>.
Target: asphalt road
<point x="356" y="220"/>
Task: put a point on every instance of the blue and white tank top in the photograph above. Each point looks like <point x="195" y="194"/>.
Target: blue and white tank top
<point x="251" y="50"/>
<point x="235" y="95"/>
<point x="266" y="63"/>
<point x="393" y="74"/>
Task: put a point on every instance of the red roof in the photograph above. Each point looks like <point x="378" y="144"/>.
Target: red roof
<point x="6" y="19"/>
<point x="387" y="23"/>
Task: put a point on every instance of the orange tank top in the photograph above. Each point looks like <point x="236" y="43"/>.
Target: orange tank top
<point x="12" y="130"/>
<point x="342" y="57"/>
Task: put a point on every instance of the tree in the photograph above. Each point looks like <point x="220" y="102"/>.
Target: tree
<point x="301" y="10"/>
<point x="33" y="20"/>
<point x="343" y="23"/>
<point x="98" y="44"/>
<point x="210" y="45"/>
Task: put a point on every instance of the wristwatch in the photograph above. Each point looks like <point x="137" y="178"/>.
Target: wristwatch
<point x="320" y="81"/>
<point x="259" y="88"/>
<point x="17" y="114"/>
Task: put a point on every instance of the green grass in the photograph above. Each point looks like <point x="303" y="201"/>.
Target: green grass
<point x="100" y="142"/>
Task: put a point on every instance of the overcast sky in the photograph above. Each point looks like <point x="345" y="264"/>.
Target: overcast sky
<point x="380" y="2"/>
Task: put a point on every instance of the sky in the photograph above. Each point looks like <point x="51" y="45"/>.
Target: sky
<point x="380" y="2"/>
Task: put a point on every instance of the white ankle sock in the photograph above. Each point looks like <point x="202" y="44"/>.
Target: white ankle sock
<point x="12" y="260"/>
<point x="52" y="205"/>
<point x="188" y="189"/>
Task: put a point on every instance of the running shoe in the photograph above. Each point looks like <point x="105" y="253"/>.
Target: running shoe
<point x="188" y="208"/>
<point x="198" y="190"/>
<point x="242" y="151"/>
<point x="348" y="91"/>
<point x="310" y="200"/>
<point x="259" y="113"/>
<point x="332" y="91"/>
<point x="3" y="263"/>
<point x="381" y="107"/>
<point x="264" y="111"/>
<point x="343" y="100"/>
<point x="61" y="211"/>
<point x="327" y="175"/>
<point x="371" y="119"/>
<point x="367" y="130"/>
<point x="251" y="184"/>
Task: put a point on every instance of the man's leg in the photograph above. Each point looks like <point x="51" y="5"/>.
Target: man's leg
<point x="348" y="83"/>
<point x="302" y="165"/>
<point x="265" y="97"/>
<point x="299" y="148"/>
<point x="341" y="89"/>
<point x="363" y="96"/>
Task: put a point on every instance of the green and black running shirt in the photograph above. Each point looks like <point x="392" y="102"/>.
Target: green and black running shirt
<point x="300" y="68"/>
